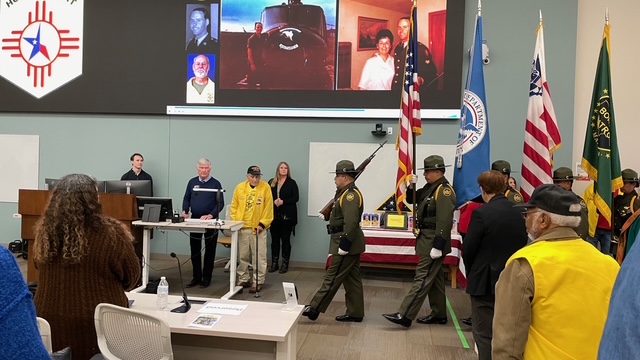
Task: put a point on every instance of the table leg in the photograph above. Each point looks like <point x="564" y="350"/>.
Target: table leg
<point x="233" y="289"/>
<point x="453" y="269"/>
<point x="286" y="350"/>
<point x="146" y="257"/>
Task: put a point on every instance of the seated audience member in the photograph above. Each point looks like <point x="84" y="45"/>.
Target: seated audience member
<point x="496" y="232"/>
<point x="19" y="334"/>
<point x="85" y="258"/>
<point x="513" y="183"/>
<point x="621" y="332"/>
<point x="549" y="304"/>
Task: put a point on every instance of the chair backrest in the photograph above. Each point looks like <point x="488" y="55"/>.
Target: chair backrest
<point x="129" y="334"/>
<point x="45" y="333"/>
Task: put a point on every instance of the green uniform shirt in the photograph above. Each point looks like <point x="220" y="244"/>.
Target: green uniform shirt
<point x="436" y="203"/>
<point x="346" y="213"/>
<point x="513" y="195"/>
<point x="623" y="207"/>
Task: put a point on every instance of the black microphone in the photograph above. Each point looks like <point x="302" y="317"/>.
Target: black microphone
<point x="184" y="308"/>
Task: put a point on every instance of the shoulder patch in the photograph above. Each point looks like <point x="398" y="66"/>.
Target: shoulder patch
<point x="517" y="197"/>
<point x="447" y="191"/>
<point x="583" y="203"/>
<point x="350" y="197"/>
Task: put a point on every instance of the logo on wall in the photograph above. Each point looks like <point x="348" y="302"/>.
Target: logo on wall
<point x="41" y="44"/>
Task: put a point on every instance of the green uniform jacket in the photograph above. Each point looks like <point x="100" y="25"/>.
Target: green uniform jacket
<point x="513" y="195"/>
<point x="346" y="213"/>
<point x="624" y="205"/>
<point x="436" y="203"/>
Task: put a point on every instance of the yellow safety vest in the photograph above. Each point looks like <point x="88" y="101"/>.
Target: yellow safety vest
<point x="573" y="284"/>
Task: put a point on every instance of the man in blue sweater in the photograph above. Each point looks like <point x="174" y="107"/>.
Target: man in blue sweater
<point x="205" y="206"/>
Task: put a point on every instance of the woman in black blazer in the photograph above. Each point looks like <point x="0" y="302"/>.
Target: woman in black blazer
<point x="285" y="215"/>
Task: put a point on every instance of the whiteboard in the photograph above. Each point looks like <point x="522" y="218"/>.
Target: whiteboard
<point x="19" y="160"/>
<point x="377" y="182"/>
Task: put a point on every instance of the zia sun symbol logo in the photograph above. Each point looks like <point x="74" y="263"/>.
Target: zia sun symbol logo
<point x="40" y="45"/>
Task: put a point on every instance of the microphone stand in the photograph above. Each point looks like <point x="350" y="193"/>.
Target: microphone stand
<point x="187" y="306"/>
<point x="218" y="192"/>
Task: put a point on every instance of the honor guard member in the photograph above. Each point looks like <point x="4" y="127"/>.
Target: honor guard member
<point x="347" y="243"/>
<point x="626" y="203"/>
<point x="505" y="168"/>
<point x="436" y="202"/>
<point x="563" y="176"/>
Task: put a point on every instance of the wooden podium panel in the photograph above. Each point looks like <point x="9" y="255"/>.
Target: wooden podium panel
<point x="32" y="204"/>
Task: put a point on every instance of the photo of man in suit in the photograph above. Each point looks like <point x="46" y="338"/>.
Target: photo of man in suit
<point x="201" y="39"/>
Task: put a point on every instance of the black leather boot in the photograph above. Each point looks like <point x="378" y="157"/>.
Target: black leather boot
<point x="285" y="266"/>
<point x="274" y="264"/>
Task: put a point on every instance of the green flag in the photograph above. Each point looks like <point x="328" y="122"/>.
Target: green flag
<point x="600" y="157"/>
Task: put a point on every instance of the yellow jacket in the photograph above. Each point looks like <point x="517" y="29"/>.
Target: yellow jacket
<point x="569" y="307"/>
<point x="263" y="204"/>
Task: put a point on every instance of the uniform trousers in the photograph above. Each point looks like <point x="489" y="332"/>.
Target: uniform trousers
<point x="247" y="252"/>
<point x="344" y="270"/>
<point x="429" y="280"/>
<point x="201" y="273"/>
<point x="482" y="327"/>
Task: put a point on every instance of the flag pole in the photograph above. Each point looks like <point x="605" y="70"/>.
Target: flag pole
<point x="469" y="73"/>
<point x="413" y="136"/>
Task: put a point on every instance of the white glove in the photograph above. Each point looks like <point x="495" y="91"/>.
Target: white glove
<point x="342" y="252"/>
<point x="414" y="179"/>
<point x="435" y="253"/>
<point x="321" y="216"/>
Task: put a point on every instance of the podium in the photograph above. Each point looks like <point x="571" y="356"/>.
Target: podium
<point x="32" y="204"/>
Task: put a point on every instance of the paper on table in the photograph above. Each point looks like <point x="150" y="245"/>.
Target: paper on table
<point x="221" y="308"/>
<point x="205" y="321"/>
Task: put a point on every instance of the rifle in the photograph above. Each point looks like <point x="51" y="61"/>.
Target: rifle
<point x="326" y="210"/>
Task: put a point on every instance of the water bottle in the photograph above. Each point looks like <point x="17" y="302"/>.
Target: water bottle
<point x="163" y="293"/>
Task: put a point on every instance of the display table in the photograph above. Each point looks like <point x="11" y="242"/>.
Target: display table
<point x="396" y="249"/>
<point x="232" y="226"/>
<point x="263" y="330"/>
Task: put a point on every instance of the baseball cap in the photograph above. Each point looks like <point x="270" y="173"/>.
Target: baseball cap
<point x="254" y="170"/>
<point x="554" y="199"/>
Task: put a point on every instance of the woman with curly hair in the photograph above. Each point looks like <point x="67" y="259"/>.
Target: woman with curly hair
<point x="85" y="258"/>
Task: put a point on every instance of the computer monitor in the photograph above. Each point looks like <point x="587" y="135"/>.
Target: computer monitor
<point x="164" y="202"/>
<point x="50" y="184"/>
<point x="135" y="187"/>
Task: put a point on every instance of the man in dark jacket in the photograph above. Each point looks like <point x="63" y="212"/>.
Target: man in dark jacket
<point x="496" y="231"/>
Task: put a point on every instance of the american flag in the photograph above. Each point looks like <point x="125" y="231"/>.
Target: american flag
<point x="410" y="122"/>
<point x="542" y="136"/>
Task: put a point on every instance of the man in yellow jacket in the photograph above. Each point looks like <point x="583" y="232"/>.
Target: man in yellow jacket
<point x="549" y="304"/>
<point x="252" y="203"/>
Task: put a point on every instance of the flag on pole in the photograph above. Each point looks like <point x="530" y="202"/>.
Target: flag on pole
<point x="410" y="121"/>
<point x="472" y="151"/>
<point x="600" y="157"/>
<point x="542" y="135"/>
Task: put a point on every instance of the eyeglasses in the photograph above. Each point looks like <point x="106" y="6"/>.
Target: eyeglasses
<point x="525" y="214"/>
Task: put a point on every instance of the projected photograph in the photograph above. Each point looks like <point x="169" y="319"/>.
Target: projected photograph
<point x="381" y="35"/>
<point x="202" y="29"/>
<point x="272" y="45"/>
<point x="201" y="86"/>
